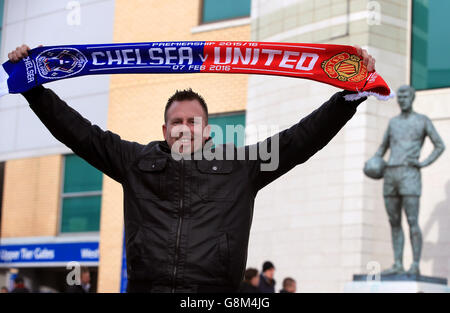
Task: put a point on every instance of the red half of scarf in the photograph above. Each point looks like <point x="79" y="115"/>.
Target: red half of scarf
<point x="337" y="65"/>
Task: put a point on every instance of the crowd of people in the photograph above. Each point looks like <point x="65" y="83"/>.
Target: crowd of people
<point x="19" y="287"/>
<point x="253" y="282"/>
<point x="83" y="286"/>
<point x="265" y="283"/>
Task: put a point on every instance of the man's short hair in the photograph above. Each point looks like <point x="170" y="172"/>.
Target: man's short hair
<point x="267" y="266"/>
<point x="288" y="281"/>
<point x="250" y="273"/>
<point x="84" y="269"/>
<point x="186" y="94"/>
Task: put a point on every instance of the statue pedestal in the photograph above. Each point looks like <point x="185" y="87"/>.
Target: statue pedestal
<point x="397" y="284"/>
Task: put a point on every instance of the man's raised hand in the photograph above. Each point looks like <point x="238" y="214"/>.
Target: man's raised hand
<point x="18" y="54"/>
<point x="368" y="60"/>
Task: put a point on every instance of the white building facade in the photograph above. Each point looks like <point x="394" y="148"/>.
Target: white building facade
<point x="325" y="220"/>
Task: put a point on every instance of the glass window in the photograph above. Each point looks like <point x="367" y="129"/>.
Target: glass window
<point x="81" y="214"/>
<point x="81" y="198"/>
<point x="229" y="128"/>
<point x="80" y="176"/>
<point x="218" y="10"/>
<point x="430" y="64"/>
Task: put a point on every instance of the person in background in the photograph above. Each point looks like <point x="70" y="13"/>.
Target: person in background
<point x="251" y="281"/>
<point x="19" y="286"/>
<point x="4" y="290"/>
<point x="289" y="285"/>
<point x="85" y="280"/>
<point x="266" y="281"/>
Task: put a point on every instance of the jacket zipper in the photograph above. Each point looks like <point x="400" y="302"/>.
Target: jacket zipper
<point x="180" y="223"/>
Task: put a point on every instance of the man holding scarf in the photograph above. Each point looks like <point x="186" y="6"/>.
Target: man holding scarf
<point x="187" y="221"/>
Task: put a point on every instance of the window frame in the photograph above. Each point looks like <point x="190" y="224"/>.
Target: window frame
<point x="409" y="66"/>
<point x="230" y="113"/>
<point x="63" y="195"/>
<point x="200" y="15"/>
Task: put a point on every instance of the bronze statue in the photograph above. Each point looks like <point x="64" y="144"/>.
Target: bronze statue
<point x="405" y="136"/>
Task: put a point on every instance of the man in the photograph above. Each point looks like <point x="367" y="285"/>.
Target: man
<point x="19" y="286"/>
<point x="85" y="283"/>
<point x="405" y="136"/>
<point x="251" y="281"/>
<point x="289" y="285"/>
<point x="266" y="280"/>
<point x="187" y="222"/>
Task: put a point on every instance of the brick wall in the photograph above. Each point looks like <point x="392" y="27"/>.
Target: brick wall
<point x="31" y="197"/>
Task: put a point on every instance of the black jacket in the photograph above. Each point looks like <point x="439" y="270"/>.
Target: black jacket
<point x="20" y="290"/>
<point x="246" y="287"/>
<point x="78" y="289"/>
<point x="266" y="285"/>
<point x="187" y="222"/>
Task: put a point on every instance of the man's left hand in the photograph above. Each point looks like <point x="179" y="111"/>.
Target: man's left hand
<point x="368" y="60"/>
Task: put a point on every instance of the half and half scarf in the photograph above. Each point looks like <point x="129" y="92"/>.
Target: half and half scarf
<point x="336" y="65"/>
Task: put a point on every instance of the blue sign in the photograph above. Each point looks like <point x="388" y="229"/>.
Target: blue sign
<point x="13" y="255"/>
<point x="123" y="272"/>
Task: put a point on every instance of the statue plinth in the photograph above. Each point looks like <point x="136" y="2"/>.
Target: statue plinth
<point x="398" y="283"/>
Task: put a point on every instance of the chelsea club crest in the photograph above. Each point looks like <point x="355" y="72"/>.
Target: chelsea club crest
<point x="57" y="63"/>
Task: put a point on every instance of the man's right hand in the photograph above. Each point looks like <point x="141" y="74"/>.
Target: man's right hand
<point x="18" y="54"/>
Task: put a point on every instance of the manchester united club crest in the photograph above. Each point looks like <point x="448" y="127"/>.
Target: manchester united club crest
<point x="57" y="63"/>
<point x="345" y="67"/>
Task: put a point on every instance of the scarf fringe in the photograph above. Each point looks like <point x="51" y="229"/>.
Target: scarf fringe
<point x="359" y="95"/>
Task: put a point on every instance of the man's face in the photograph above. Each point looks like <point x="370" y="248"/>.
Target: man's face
<point x="85" y="278"/>
<point x="269" y="273"/>
<point x="186" y="129"/>
<point x="292" y="288"/>
<point x="405" y="99"/>
<point x="255" y="281"/>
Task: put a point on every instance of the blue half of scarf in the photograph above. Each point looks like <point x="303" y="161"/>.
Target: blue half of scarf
<point x="51" y="63"/>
